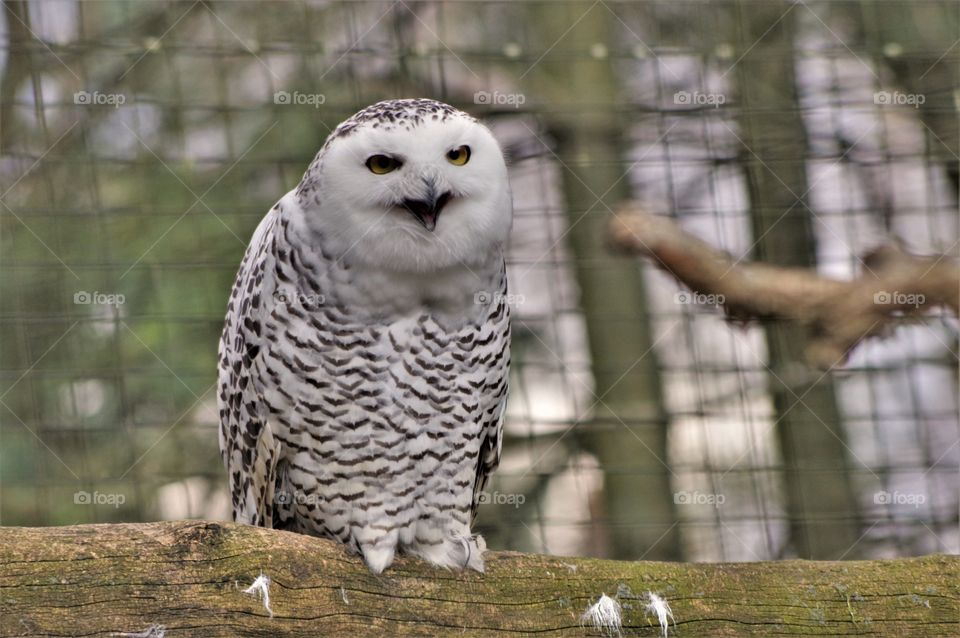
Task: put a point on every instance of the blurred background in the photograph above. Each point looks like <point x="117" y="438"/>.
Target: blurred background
<point x="141" y="143"/>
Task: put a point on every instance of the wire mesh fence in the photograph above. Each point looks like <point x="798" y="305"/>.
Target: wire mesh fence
<point x="141" y="142"/>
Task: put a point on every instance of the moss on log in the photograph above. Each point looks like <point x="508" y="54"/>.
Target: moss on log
<point x="189" y="577"/>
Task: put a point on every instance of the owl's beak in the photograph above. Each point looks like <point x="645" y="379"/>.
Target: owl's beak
<point x="426" y="211"/>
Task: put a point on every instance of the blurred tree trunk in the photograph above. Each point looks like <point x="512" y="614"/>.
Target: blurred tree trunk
<point x="928" y="65"/>
<point x="16" y="70"/>
<point x="821" y="506"/>
<point x="628" y="428"/>
<point x="918" y="43"/>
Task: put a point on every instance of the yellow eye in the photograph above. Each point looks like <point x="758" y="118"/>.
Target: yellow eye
<point x="382" y="164"/>
<point x="459" y="156"/>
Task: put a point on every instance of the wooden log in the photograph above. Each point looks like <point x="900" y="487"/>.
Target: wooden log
<point x="189" y="577"/>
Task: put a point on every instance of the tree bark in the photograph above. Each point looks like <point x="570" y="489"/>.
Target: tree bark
<point x="188" y="577"/>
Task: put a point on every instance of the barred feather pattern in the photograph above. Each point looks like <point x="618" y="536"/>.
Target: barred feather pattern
<point x="352" y="419"/>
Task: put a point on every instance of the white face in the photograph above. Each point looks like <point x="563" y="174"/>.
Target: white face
<point x="416" y="200"/>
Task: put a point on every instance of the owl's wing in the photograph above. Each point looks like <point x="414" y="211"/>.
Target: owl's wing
<point x="498" y="378"/>
<point x="249" y="450"/>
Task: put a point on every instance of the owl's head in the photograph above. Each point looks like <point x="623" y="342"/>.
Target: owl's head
<point x="409" y="185"/>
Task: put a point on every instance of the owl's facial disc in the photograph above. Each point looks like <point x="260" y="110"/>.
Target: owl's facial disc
<point x="409" y="186"/>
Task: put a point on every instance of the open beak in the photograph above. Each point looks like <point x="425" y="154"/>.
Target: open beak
<point x="426" y="211"/>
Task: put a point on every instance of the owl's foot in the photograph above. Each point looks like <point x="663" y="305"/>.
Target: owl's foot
<point x="456" y="551"/>
<point x="378" y="558"/>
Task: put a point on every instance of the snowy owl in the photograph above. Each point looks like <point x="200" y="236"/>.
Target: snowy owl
<point x="364" y="360"/>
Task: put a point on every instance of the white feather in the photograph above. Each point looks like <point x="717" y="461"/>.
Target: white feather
<point x="261" y="590"/>
<point x="661" y="608"/>
<point x="604" y="615"/>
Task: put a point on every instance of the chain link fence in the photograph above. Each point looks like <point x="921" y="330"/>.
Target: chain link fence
<point x="141" y="142"/>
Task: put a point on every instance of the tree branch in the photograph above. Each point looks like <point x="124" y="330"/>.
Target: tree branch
<point x="838" y="315"/>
